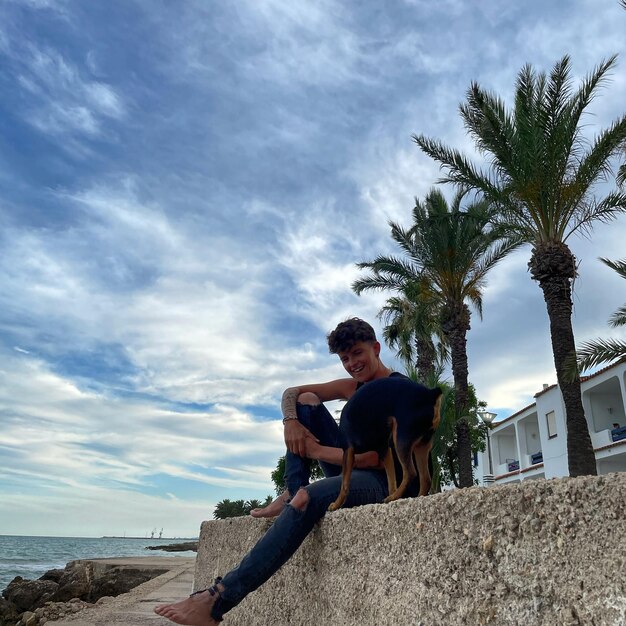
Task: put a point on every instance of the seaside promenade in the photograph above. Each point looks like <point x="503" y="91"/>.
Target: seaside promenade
<point x="136" y="607"/>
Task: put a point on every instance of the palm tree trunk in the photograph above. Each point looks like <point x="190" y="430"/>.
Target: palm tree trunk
<point x="553" y="265"/>
<point x="455" y="328"/>
<point x="425" y="358"/>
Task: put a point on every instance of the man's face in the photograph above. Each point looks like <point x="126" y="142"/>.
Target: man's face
<point x="361" y="360"/>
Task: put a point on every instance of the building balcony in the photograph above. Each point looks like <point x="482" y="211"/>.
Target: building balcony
<point x="601" y="438"/>
<point x="534" y="459"/>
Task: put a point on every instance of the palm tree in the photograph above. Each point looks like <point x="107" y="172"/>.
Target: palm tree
<point x="447" y="253"/>
<point x="541" y="181"/>
<point x="229" y="508"/>
<point x="410" y="325"/>
<point x="278" y="475"/>
<point x="237" y="508"/>
<point x="593" y="353"/>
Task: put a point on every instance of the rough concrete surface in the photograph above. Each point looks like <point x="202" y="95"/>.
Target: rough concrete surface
<point x="545" y="552"/>
<point x="136" y="607"/>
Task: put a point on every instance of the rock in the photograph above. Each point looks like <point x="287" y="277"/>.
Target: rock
<point x="104" y="600"/>
<point x="27" y="595"/>
<point x="8" y="612"/>
<point x="53" y="574"/>
<point x="115" y="581"/>
<point x="62" y="592"/>
<point x="52" y="611"/>
<point x="29" y="619"/>
<point x="75" y="582"/>
<point x="176" y="547"/>
<point x="488" y="543"/>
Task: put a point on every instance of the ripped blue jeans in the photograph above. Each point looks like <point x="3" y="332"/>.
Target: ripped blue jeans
<point x="320" y="423"/>
<point x="292" y="526"/>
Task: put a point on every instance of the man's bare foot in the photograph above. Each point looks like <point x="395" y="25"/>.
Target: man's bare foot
<point x="193" y="611"/>
<point x="274" y="508"/>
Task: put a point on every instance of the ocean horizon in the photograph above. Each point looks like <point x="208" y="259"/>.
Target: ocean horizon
<point x="32" y="556"/>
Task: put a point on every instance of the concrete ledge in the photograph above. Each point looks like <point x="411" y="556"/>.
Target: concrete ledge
<point x="540" y="552"/>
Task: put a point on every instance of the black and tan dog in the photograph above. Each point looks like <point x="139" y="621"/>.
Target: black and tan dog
<point x="385" y="410"/>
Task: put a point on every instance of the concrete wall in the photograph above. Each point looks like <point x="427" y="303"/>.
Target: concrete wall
<point x="545" y="552"/>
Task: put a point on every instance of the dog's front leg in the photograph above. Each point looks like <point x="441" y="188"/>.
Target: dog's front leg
<point x="346" y="471"/>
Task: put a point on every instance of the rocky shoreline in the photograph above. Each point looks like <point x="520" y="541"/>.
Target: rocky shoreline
<point x="188" y="546"/>
<point x="81" y="584"/>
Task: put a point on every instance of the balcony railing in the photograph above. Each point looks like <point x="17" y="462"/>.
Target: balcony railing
<point x="619" y="433"/>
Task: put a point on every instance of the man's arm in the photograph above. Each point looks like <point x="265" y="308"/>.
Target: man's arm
<point x="318" y="452"/>
<point x="296" y="434"/>
<point x="288" y="403"/>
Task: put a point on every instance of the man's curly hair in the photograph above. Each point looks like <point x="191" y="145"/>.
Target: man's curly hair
<point x="348" y="333"/>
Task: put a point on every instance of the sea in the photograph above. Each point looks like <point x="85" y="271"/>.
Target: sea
<point x="31" y="557"/>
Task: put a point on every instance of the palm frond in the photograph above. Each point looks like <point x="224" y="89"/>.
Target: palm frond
<point x="404" y="238"/>
<point x="618" y="318"/>
<point x="495" y="254"/>
<point x="395" y="270"/>
<point x="459" y="170"/>
<point x="618" y="266"/>
<point x="595" y="165"/>
<point x="487" y="120"/>
<point x="594" y="353"/>
<point x="590" y="84"/>
<point x="600" y="351"/>
<point x="374" y="283"/>
<point x="604" y="211"/>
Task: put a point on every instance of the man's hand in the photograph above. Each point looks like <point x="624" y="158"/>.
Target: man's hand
<point x="296" y="436"/>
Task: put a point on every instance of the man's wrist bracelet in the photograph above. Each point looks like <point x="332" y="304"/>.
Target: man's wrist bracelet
<point x="288" y="419"/>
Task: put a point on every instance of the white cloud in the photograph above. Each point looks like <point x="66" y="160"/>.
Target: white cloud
<point x="308" y="43"/>
<point x="69" y="439"/>
<point x="61" y="99"/>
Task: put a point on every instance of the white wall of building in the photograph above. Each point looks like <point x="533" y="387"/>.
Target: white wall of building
<point x="527" y="432"/>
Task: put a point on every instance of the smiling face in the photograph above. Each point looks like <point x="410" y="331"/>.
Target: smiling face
<point x="361" y="360"/>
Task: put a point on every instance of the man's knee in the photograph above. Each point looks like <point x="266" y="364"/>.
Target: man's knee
<point x="300" y="500"/>
<point x="309" y="398"/>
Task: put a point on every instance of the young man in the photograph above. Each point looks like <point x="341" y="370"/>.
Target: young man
<point x="310" y="433"/>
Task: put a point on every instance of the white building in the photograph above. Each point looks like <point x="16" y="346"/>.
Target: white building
<point x="532" y="442"/>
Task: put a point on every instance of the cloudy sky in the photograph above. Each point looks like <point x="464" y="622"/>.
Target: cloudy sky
<point x="185" y="188"/>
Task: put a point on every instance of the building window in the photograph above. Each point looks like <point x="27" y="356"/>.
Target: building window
<point x="551" y="421"/>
